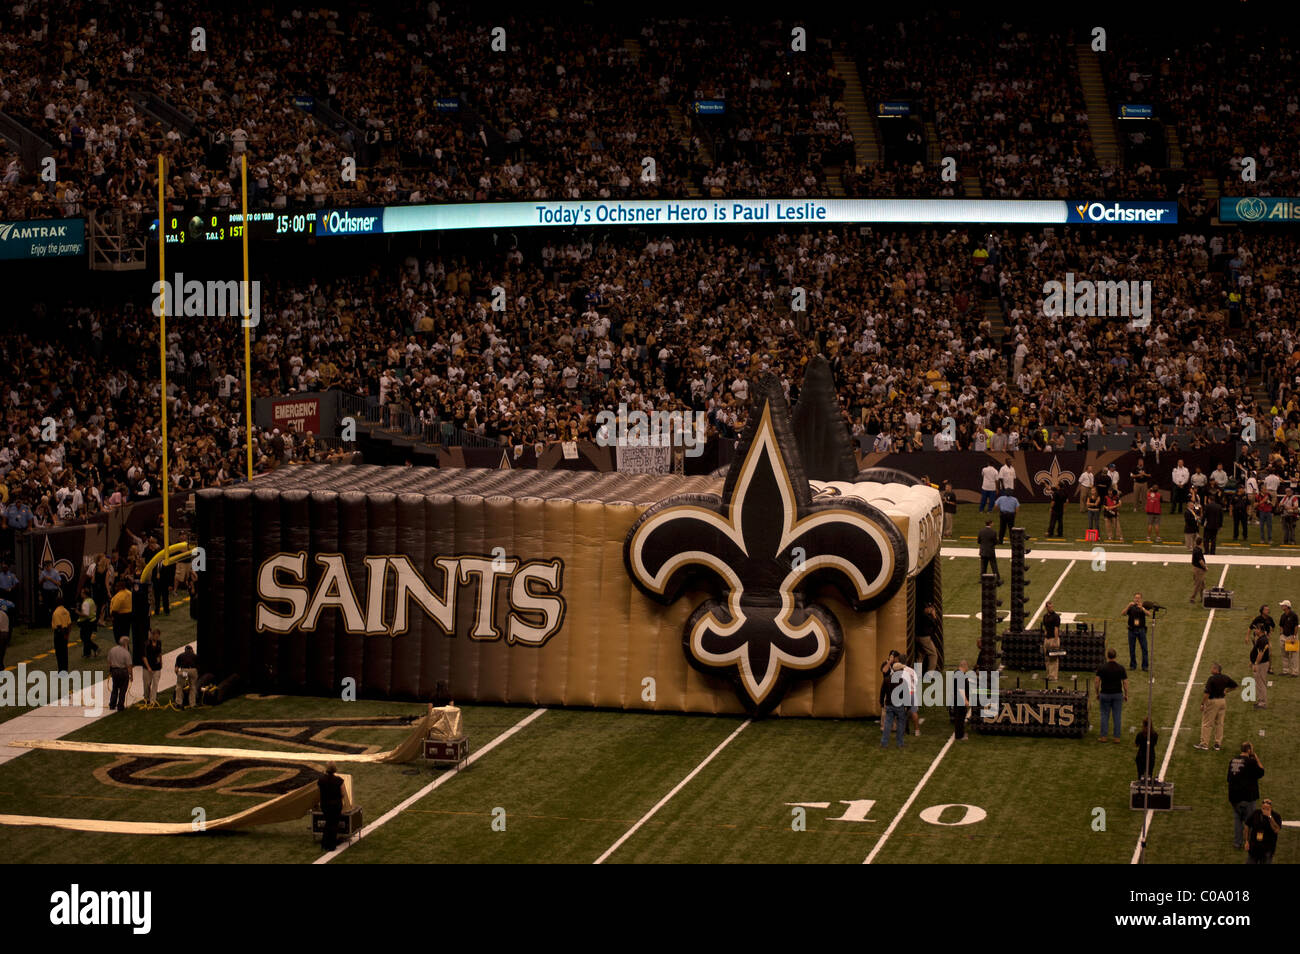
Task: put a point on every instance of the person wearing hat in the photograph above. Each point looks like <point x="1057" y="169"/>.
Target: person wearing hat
<point x="1289" y="623"/>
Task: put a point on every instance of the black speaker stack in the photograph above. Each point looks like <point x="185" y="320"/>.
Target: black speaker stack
<point x="1022" y="649"/>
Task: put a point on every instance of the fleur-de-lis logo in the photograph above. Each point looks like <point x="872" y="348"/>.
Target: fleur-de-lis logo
<point x="766" y="547"/>
<point x="1050" y="479"/>
<point x="64" y="568"/>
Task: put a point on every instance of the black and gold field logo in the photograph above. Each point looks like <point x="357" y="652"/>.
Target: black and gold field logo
<point x="764" y="548"/>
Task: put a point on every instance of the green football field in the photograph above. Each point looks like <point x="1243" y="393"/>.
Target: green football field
<point x="579" y="786"/>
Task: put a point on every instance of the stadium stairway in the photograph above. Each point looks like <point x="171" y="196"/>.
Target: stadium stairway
<point x="1100" y="123"/>
<point x="679" y="125"/>
<point x="932" y="150"/>
<point x="1173" y="148"/>
<point x="866" y="144"/>
<point x="1259" y="391"/>
<point x="1211" y="186"/>
<point x="835" y="181"/>
<point x="993" y="312"/>
<point x="972" y="189"/>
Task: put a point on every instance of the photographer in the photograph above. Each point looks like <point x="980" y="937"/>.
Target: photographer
<point x="1137" y="630"/>
<point x="1244" y="772"/>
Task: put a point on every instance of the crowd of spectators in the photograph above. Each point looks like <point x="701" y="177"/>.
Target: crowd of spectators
<point x="418" y="94"/>
<point x="429" y="109"/>
<point x="1230" y="92"/>
<point x="673" y="321"/>
<point x="1005" y="102"/>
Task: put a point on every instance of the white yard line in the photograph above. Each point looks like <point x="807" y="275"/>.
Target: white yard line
<point x="947" y="745"/>
<point x="1218" y="559"/>
<point x="76" y="710"/>
<point x="1173" y="739"/>
<point x="1050" y="593"/>
<point x="677" y="788"/>
<point x="910" y="799"/>
<point x="394" y="812"/>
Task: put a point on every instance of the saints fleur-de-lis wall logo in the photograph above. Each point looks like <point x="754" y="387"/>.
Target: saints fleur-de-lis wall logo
<point x="1054" y="477"/>
<point x="765" y="548"/>
<point x="63" y="567"/>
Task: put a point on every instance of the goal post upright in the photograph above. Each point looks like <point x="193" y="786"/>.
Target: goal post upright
<point x="162" y="345"/>
<point x="248" y="359"/>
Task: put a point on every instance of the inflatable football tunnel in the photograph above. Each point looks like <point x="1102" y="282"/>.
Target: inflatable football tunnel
<point x="778" y="588"/>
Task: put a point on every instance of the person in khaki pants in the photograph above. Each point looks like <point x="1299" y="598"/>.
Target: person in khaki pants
<point x="187" y="679"/>
<point x="1051" y="642"/>
<point x="1289" y="623"/>
<point x="1214" y="705"/>
<point x="1259" y="663"/>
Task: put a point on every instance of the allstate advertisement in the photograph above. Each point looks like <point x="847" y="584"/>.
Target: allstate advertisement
<point x="1258" y="209"/>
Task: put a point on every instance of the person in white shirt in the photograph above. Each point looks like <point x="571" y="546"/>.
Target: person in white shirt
<point x="913" y="696"/>
<point x="1086" y="482"/>
<point x="1007" y="477"/>
<point x="1219" y="476"/>
<point x="1113" y="473"/>
<point x="988" y="487"/>
<point x="1180" y="476"/>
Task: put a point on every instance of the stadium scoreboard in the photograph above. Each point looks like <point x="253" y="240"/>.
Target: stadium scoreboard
<point x="218" y="227"/>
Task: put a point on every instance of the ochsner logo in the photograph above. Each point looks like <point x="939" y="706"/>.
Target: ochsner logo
<point x="210" y="299"/>
<point x="1098" y="299"/>
<point x="1126" y="212"/>
<point x="622" y="428"/>
<point x="77" y="907"/>
<point x="40" y="687"/>
<point x="348" y="222"/>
